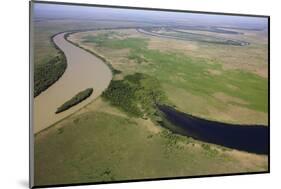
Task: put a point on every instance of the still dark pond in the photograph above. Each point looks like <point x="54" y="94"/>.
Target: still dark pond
<point x="250" y="138"/>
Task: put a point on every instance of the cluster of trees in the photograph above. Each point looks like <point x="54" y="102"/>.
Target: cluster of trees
<point x="48" y="73"/>
<point x="121" y="94"/>
<point x="75" y="100"/>
<point x="136" y="94"/>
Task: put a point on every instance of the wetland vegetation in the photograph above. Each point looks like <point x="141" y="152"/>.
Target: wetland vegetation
<point x="195" y="75"/>
<point x="79" y="97"/>
<point x="136" y="94"/>
<point x="48" y="73"/>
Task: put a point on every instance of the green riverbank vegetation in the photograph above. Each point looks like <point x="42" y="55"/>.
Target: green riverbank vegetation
<point x="75" y="100"/>
<point x="48" y="73"/>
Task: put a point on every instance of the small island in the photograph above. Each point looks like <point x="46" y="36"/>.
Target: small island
<point x="75" y="100"/>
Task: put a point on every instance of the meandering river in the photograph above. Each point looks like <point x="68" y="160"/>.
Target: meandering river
<point x="83" y="71"/>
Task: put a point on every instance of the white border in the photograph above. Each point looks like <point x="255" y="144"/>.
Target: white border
<point x="14" y="92"/>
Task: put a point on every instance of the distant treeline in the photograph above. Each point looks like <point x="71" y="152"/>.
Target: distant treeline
<point x="75" y="100"/>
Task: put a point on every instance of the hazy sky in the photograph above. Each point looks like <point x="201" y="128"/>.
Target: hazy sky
<point x="42" y="10"/>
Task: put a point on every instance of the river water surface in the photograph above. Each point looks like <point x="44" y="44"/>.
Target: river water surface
<point x="83" y="71"/>
<point x="250" y="138"/>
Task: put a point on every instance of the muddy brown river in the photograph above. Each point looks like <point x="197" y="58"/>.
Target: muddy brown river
<point x="84" y="70"/>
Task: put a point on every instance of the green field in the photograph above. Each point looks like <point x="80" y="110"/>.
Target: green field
<point x="106" y="40"/>
<point x="97" y="146"/>
<point x="197" y="76"/>
<point x="193" y="76"/>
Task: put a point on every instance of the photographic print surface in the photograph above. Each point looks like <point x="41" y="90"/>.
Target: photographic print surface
<point x="125" y="94"/>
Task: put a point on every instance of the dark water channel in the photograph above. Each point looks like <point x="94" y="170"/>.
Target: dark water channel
<point x="250" y="138"/>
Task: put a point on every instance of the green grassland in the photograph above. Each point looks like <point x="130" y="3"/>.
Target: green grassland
<point x="193" y="76"/>
<point x="251" y="58"/>
<point x="197" y="76"/>
<point x="108" y="40"/>
<point x="96" y="146"/>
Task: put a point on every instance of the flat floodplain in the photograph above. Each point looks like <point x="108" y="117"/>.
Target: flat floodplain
<point x="212" y="71"/>
<point x="210" y="88"/>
